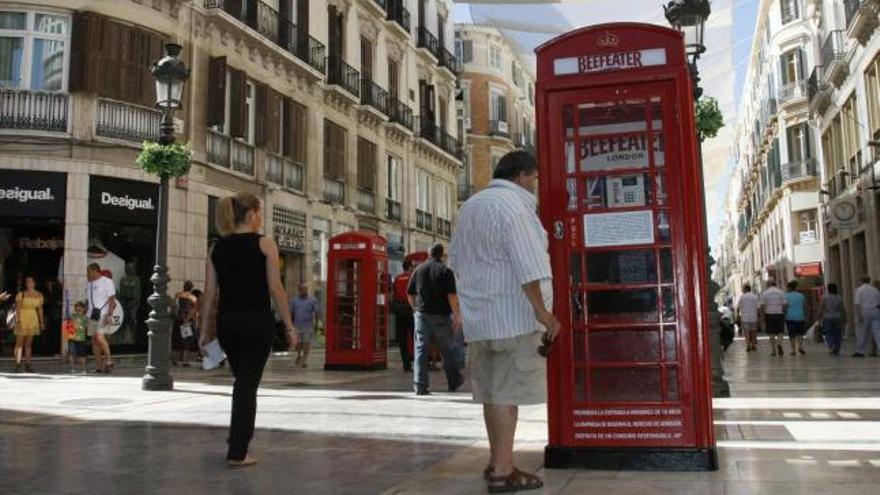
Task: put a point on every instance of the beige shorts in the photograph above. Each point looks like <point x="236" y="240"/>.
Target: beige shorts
<point x="97" y="327"/>
<point x="749" y="326"/>
<point x="508" y="372"/>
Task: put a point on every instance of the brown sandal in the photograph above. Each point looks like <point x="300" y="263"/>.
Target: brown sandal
<point x="246" y="462"/>
<point x="487" y="473"/>
<point x="514" y="482"/>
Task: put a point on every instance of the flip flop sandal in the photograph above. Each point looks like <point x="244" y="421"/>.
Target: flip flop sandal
<point x="246" y="462"/>
<point x="514" y="482"/>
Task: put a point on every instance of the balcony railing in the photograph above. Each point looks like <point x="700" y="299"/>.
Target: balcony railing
<point x="119" y="120"/>
<point x="273" y="25"/>
<point x="400" y="113"/>
<point x="366" y="200"/>
<point x="343" y="75"/>
<point x="397" y="12"/>
<point x="792" y="92"/>
<point x="284" y="172"/>
<point x="424" y="220"/>
<point x="217" y="148"/>
<point x="450" y="61"/>
<point x="465" y="191"/>
<point x="334" y="190"/>
<point x="375" y="96"/>
<point x="392" y="210"/>
<point x="242" y="157"/>
<point x="33" y="110"/>
<point x="861" y="18"/>
<point x="428" y="41"/>
<point x="439" y="137"/>
<point x="444" y="227"/>
<point x="499" y="128"/>
<point x="769" y="110"/>
<point x="799" y="170"/>
<point x="833" y="48"/>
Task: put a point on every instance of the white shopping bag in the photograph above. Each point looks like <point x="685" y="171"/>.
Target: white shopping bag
<point x="214" y="355"/>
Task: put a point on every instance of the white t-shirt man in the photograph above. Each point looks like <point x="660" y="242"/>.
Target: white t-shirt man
<point x="867" y="297"/>
<point x="748" y="307"/>
<point x="98" y="292"/>
<point x="773" y="301"/>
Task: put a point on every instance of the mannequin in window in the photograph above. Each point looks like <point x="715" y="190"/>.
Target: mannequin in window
<point x="130" y="297"/>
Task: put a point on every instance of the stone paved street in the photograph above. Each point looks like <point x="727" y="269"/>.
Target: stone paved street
<point x="796" y="425"/>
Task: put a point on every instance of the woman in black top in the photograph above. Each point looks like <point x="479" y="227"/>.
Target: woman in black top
<point x="242" y="275"/>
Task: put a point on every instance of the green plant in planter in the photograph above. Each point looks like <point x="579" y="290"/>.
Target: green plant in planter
<point x="165" y="160"/>
<point x="709" y="118"/>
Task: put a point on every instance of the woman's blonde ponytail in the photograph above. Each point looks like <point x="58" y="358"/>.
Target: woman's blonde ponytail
<point x="232" y="211"/>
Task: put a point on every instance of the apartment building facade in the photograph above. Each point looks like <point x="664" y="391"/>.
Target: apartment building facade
<point x="497" y="91"/>
<point x="339" y="114"/>
<point x="773" y="223"/>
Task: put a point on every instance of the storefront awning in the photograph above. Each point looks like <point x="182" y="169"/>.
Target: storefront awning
<point x="808" y="270"/>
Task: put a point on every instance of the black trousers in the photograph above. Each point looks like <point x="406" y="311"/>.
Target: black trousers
<point x="405" y="325"/>
<point x="246" y="338"/>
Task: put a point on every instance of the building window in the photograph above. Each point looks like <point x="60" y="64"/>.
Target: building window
<point x="852" y="153"/>
<point x="790" y="10"/>
<point x="497" y="106"/>
<point x="34" y="50"/>
<point x="393" y="170"/>
<point x="799" y="148"/>
<point x="393" y="79"/>
<point x="464" y="50"/>
<point x="872" y="94"/>
<point x="366" y="175"/>
<point x="495" y="60"/>
<point x="792" y="66"/>
<point x="423" y="191"/>
<point x="334" y="162"/>
<point x="807" y="231"/>
<point x="466" y="105"/>
<point x="443" y="194"/>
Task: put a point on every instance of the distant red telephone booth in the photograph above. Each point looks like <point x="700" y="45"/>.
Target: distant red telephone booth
<point x="357" y="302"/>
<point x="629" y="381"/>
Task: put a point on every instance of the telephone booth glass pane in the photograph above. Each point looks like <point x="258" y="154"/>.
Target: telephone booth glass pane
<point x="620" y="279"/>
<point x="381" y="331"/>
<point x="347" y="315"/>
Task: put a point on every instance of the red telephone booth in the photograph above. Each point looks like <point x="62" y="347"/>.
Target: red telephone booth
<point x="417" y="258"/>
<point x="357" y="302"/>
<point x="629" y="381"/>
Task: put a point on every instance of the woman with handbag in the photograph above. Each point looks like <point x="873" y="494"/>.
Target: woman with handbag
<point x="242" y="276"/>
<point x="29" y="322"/>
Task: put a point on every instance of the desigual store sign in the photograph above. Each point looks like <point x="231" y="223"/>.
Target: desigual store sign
<point x="126" y="201"/>
<point x="32" y="194"/>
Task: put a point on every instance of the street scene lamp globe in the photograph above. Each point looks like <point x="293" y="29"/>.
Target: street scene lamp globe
<point x="689" y="17"/>
<point x="170" y="74"/>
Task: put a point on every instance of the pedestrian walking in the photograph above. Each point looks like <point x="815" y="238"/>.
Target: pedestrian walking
<point x="747" y="314"/>
<point x="403" y="315"/>
<point x="242" y="275"/>
<point x="772" y="307"/>
<point x="184" y="337"/>
<point x="432" y="294"/>
<point x="305" y="311"/>
<point x="832" y="314"/>
<point x="795" y="318"/>
<point x="101" y="299"/>
<point x="30" y="321"/>
<point x="77" y="348"/>
<point x="866" y="299"/>
<point x="499" y="253"/>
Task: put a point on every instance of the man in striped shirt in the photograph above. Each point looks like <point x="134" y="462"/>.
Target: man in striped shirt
<point x="499" y="254"/>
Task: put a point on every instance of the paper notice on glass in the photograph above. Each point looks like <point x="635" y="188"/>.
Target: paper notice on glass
<point x="619" y="229"/>
<point x="214" y="355"/>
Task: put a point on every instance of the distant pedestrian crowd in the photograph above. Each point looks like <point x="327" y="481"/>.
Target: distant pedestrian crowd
<point x="777" y="313"/>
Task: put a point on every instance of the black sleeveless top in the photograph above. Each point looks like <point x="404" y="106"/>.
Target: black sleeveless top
<point x="241" y="273"/>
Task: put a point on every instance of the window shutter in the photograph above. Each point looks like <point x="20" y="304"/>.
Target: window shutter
<point x="273" y="119"/>
<point x="468" y="51"/>
<point x="432" y="104"/>
<point x="84" y="51"/>
<point x="261" y="133"/>
<point x="237" y="107"/>
<point x="334" y="150"/>
<point x="783" y="72"/>
<point x="502" y="108"/>
<point x="300" y="131"/>
<point x="808" y="144"/>
<point x="110" y="74"/>
<point x="217" y="91"/>
<point x="366" y="159"/>
<point x="802" y="62"/>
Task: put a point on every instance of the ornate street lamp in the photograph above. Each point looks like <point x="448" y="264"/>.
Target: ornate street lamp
<point x="170" y="74"/>
<point x="689" y="18"/>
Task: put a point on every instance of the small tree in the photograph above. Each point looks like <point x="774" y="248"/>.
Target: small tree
<point x="709" y="118"/>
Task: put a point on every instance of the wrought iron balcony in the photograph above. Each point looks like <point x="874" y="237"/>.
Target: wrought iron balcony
<point x="444" y="227"/>
<point x="465" y="190"/>
<point x="242" y="157"/>
<point x="392" y="210"/>
<point x="273" y="25"/>
<point x="400" y="113"/>
<point x="375" y="96"/>
<point x="217" y="148"/>
<point x="424" y="220"/>
<point x="861" y="18"/>
<point x="439" y="137"/>
<point x="334" y="190"/>
<point x="499" y="128"/>
<point x="234" y="154"/>
<point x="834" y="58"/>
<point x="343" y="75"/>
<point x="33" y="110"/>
<point x="792" y="92"/>
<point x="769" y="112"/>
<point x="428" y="41"/>
<point x="284" y="171"/>
<point x="450" y="61"/>
<point x="797" y="170"/>
<point x="397" y="12"/>
<point x="818" y="91"/>
<point x="119" y="120"/>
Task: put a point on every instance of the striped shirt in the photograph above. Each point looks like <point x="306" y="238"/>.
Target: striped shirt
<point x="498" y="246"/>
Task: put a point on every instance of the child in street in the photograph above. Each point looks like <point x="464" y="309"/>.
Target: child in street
<point x="77" y="348"/>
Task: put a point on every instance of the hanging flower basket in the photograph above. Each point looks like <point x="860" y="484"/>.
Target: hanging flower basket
<point x="165" y="160"/>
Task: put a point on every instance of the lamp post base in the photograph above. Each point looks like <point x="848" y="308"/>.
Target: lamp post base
<point x="158" y="383"/>
<point x="158" y="375"/>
